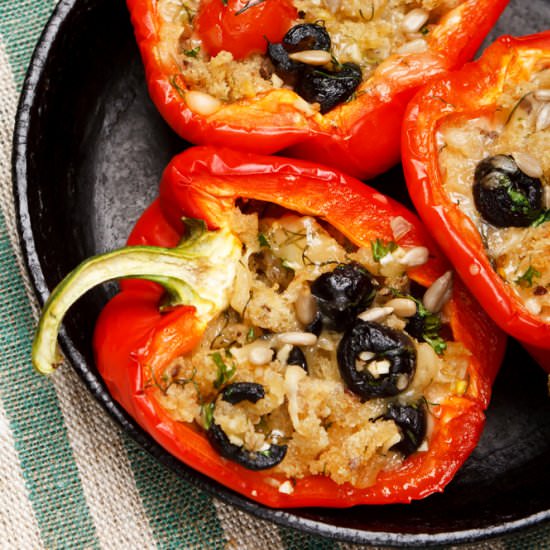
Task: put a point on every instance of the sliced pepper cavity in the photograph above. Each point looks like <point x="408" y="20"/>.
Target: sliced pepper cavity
<point x="508" y="186"/>
<point x="359" y="136"/>
<point x="135" y="342"/>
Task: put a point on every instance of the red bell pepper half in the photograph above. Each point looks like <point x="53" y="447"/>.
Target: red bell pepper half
<point x="360" y="136"/>
<point x="135" y="338"/>
<point x="468" y="94"/>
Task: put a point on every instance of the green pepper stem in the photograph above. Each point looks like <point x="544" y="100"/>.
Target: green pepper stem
<point x="200" y="272"/>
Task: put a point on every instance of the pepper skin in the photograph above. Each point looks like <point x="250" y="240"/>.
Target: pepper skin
<point x="467" y="94"/>
<point x="132" y="339"/>
<point x="360" y="137"/>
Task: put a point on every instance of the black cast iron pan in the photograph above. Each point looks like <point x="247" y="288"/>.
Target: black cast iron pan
<point x="89" y="151"/>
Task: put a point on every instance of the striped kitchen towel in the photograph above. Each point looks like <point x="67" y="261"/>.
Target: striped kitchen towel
<point x="69" y="478"/>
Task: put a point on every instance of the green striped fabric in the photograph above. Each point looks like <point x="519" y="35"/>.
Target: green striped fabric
<point x="68" y="477"/>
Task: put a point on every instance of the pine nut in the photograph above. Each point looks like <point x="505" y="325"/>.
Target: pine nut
<point x="533" y="306"/>
<point x="542" y="95"/>
<point x="528" y="164"/>
<point x="504" y="163"/>
<point x="375" y="313"/>
<point x="546" y="196"/>
<point x="439" y="293"/>
<point x="402" y="307"/>
<point x="377" y="368"/>
<point x="298" y="338"/>
<point x="415" y="256"/>
<point x="260" y="355"/>
<point x="402" y="382"/>
<point x="312" y="57"/>
<point x="543" y="118"/>
<point x="387" y="259"/>
<point x="399" y="227"/>
<point x="277" y="81"/>
<point x="202" y="103"/>
<point x="423" y="447"/>
<point x="417" y="45"/>
<point x="283" y="353"/>
<point x="366" y="355"/>
<point x="415" y="20"/>
<point x="305" y="307"/>
<point x="286" y="488"/>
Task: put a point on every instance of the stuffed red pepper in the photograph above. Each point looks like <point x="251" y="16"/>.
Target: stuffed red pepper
<point x="304" y="343"/>
<point x="476" y="155"/>
<point x="325" y="80"/>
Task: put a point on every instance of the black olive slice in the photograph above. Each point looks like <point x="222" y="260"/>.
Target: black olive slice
<point x="388" y="347"/>
<point x="307" y="36"/>
<point x="243" y="391"/>
<point x="416" y="326"/>
<point x="316" y="326"/>
<point x="253" y="460"/>
<point x="297" y="357"/>
<point x="283" y="65"/>
<point x="504" y="195"/>
<point x="299" y="38"/>
<point x="411" y="421"/>
<point x="329" y="88"/>
<point x="342" y="294"/>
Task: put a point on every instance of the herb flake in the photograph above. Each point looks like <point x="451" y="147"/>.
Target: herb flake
<point x="526" y="280"/>
<point x="432" y="326"/>
<point x="544" y="217"/>
<point x="382" y="248"/>
<point x="193" y="52"/>
<point x="521" y="203"/>
<point x="225" y="372"/>
<point x="208" y="415"/>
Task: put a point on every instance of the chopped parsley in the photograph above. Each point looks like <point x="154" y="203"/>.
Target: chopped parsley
<point x="519" y="200"/>
<point x="431" y="324"/>
<point x="526" y="280"/>
<point x="193" y="52"/>
<point x="382" y="248"/>
<point x="438" y="344"/>
<point x="177" y="87"/>
<point x="225" y="372"/>
<point x="208" y="415"/>
<point x="544" y="217"/>
<point x="262" y="239"/>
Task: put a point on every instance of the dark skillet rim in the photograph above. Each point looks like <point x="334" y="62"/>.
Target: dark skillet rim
<point x="98" y="389"/>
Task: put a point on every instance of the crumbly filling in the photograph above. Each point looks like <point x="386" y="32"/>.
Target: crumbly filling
<point x="365" y="32"/>
<point x="307" y="406"/>
<point x="520" y="124"/>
